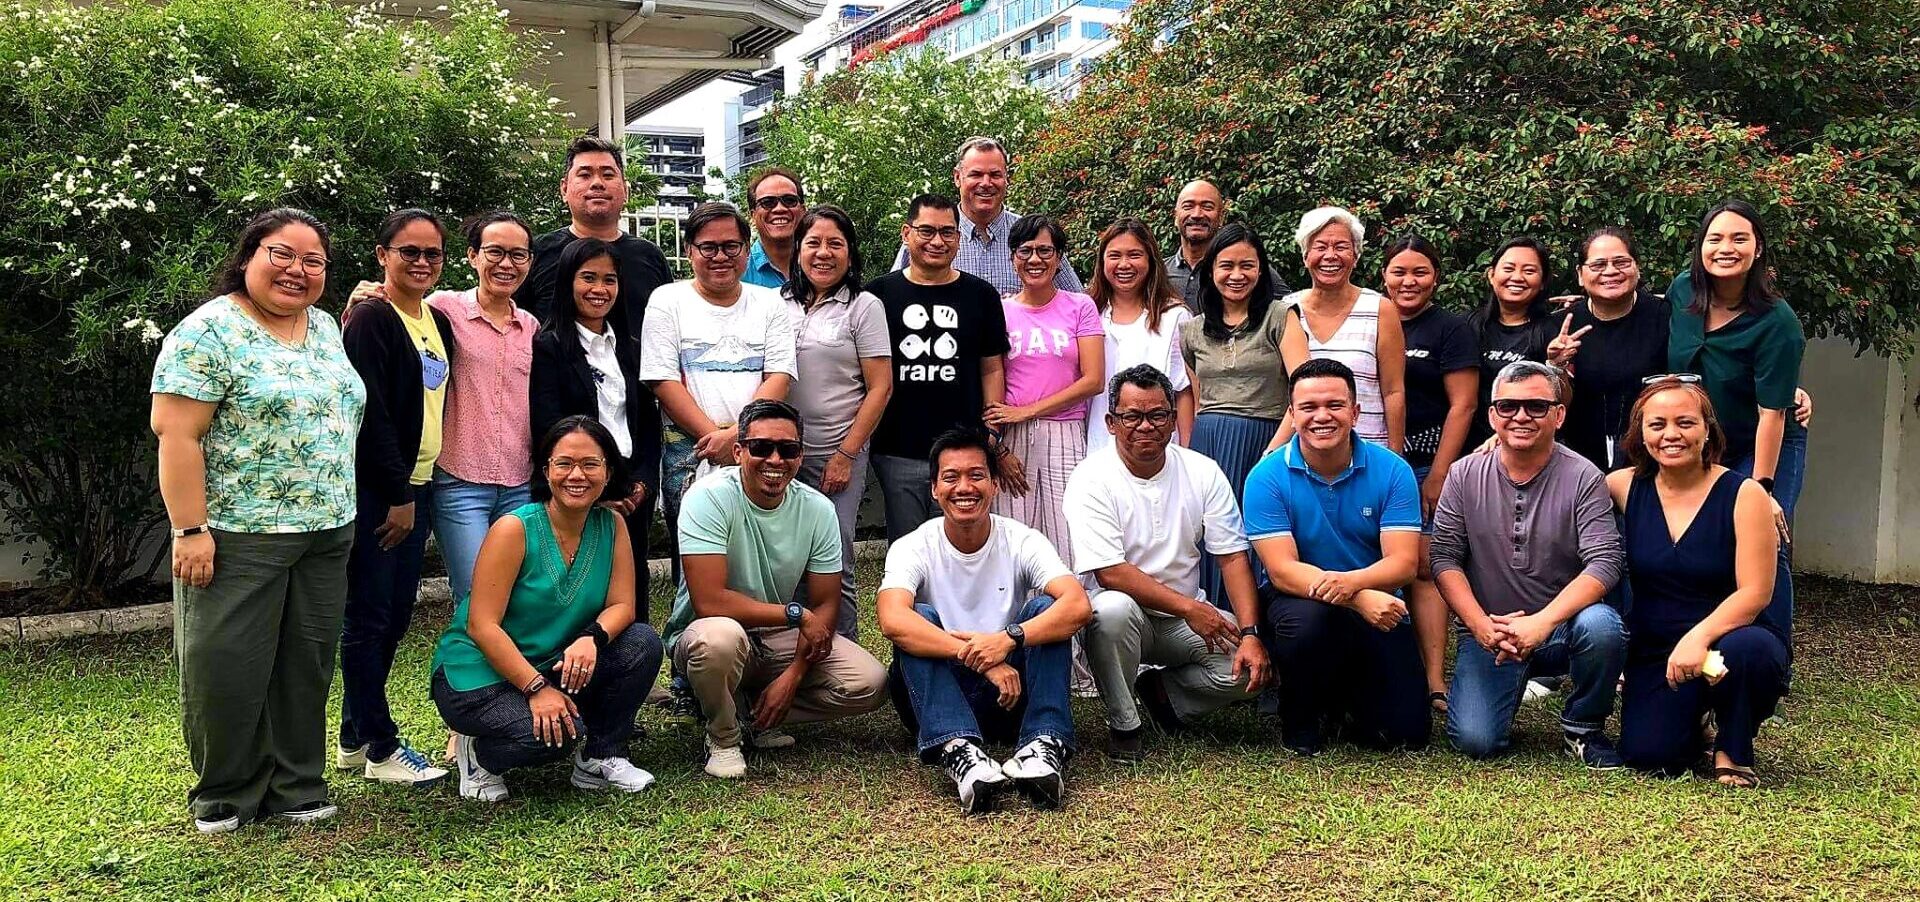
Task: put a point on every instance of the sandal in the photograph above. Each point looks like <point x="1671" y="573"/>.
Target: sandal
<point x="1746" y="779"/>
<point x="1437" y="701"/>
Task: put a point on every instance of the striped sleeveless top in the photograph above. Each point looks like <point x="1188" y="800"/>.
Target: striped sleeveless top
<point x="1355" y="343"/>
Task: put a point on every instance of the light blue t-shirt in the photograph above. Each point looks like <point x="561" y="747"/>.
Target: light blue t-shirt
<point x="767" y="551"/>
<point x="761" y="271"/>
<point x="1336" y="524"/>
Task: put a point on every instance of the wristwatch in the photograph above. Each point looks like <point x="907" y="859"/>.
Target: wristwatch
<point x="1249" y="631"/>
<point x="1766" y="482"/>
<point x="191" y="531"/>
<point x="795" y="613"/>
<point x="598" y="634"/>
<point x="1018" y="634"/>
<point x="533" y="686"/>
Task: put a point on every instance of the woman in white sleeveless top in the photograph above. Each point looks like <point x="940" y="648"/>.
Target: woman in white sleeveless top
<point x="1141" y="313"/>
<point x="1356" y="326"/>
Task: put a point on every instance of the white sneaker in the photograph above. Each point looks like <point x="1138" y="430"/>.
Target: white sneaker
<point x="405" y="766"/>
<point x="1536" y="693"/>
<point x="610" y="773"/>
<point x="726" y="763"/>
<point x="1037" y="769"/>
<point x="310" y="813"/>
<point x="974" y="775"/>
<point x="476" y="782"/>
<point x="775" y="738"/>
<point x="350" y="759"/>
<point x="220" y="822"/>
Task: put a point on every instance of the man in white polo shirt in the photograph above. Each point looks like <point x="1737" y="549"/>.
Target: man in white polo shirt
<point x="1141" y="512"/>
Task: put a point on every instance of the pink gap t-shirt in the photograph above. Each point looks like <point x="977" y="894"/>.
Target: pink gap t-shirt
<point x="1043" y="355"/>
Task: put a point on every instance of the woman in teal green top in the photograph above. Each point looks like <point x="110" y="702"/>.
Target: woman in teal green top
<point x="1731" y="328"/>
<point x="545" y="648"/>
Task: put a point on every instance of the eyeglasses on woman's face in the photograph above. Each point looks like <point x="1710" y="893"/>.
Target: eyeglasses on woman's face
<point x="588" y="466"/>
<point x="285" y="258"/>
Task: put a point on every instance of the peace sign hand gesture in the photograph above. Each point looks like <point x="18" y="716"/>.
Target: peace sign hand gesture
<point x="1561" y="349"/>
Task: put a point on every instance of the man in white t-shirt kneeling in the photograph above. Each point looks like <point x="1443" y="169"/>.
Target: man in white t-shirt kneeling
<point x="1141" y="513"/>
<point x="981" y="612"/>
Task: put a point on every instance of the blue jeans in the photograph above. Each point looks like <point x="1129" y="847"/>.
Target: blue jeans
<point x="1591" y="647"/>
<point x="382" y="585"/>
<point x="677" y="466"/>
<point x="462" y="512"/>
<point x="1788" y="477"/>
<point x="949" y="701"/>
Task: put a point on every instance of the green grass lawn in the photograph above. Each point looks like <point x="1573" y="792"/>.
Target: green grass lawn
<point x="93" y="779"/>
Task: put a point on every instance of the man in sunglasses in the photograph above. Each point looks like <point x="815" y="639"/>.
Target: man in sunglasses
<point x="776" y="202"/>
<point x="1524" y="550"/>
<point x="749" y="535"/>
<point x="1141" y="513"/>
<point x="982" y="169"/>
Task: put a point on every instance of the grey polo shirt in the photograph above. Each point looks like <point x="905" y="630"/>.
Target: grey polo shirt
<point x="1520" y="545"/>
<point x="984" y="252"/>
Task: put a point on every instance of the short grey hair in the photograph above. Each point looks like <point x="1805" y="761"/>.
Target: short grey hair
<point x="1522" y="370"/>
<point x="981" y="142"/>
<point x="1140" y="375"/>
<point x="1319" y="218"/>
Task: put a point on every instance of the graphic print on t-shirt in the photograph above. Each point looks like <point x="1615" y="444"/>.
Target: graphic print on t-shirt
<point x="919" y="356"/>
<point x="731" y="354"/>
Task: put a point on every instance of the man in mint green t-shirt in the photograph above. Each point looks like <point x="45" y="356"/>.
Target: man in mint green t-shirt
<point x="748" y="535"/>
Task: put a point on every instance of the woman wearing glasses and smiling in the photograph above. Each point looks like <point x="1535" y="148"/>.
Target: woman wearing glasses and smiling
<point x="256" y="408"/>
<point x="403" y="351"/>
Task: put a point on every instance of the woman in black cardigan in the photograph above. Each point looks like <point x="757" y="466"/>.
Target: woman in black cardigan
<point x="582" y="366"/>
<point x="403" y="350"/>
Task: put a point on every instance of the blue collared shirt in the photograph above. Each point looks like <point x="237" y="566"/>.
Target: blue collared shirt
<point x="1335" y="524"/>
<point x="984" y="252"/>
<point x="761" y="271"/>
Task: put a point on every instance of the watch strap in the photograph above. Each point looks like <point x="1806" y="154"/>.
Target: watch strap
<point x="1249" y="631"/>
<point x="192" y="531"/>
<point x="534" y="685"/>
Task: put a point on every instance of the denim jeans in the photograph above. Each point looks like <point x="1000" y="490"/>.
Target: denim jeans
<point x="948" y="701"/>
<point x="1789" y="474"/>
<point x="1591" y="647"/>
<point x="462" y="513"/>
<point x="846" y="508"/>
<point x="677" y="466"/>
<point x="906" y="489"/>
<point x="382" y="585"/>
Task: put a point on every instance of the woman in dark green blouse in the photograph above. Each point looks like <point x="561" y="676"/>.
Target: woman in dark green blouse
<point x="545" y="649"/>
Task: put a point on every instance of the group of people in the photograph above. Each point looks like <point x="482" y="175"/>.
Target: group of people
<point x="1174" y="487"/>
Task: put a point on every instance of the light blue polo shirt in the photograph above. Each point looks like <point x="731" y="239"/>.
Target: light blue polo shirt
<point x="1335" y="523"/>
<point x="760" y="269"/>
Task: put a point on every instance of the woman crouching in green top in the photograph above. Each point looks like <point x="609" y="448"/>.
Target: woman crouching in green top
<point x="545" y="648"/>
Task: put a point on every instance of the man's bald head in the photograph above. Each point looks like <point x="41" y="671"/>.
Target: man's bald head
<point x="1199" y="212"/>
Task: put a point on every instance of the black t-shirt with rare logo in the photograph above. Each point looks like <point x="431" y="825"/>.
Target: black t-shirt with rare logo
<point x="938" y="335"/>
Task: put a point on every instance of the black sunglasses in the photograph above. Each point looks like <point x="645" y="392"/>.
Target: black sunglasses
<point x="413" y="254"/>
<point x="775" y="201"/>
<point x="763" y="448"/>
<point x="1535" y="407"/>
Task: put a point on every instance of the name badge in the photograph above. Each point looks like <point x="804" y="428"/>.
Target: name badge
<point x="433" y="370"/>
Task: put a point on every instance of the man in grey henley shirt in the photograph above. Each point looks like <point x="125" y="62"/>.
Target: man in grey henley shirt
<point x="1524" y="549"/>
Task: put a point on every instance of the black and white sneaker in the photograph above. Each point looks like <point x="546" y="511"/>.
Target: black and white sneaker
<point x="1039" y="769"/>
<point x="309" y="813"/>
<point x="1594" y="750"/>
<point x="222" y="819"/>
<point x="974" y="774"/>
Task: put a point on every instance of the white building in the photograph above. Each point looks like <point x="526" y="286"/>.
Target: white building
<point x="1055" y="41"/>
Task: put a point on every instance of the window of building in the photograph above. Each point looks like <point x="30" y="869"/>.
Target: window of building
<point x="1095" y="31"/>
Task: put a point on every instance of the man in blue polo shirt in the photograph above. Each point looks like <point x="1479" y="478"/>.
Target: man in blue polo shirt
<point x="1336" y="522"/>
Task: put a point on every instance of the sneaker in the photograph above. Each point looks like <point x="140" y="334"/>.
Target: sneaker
<point x="1151" y="687"/>
<point x="1594" y="750"/>
<point x="1536" y="693"/>
<point x="350" y="759"/>
<point x="1126" y="746"/>
<point x="775" y="738"/>
<point x="309" y="813"/>
<point x="681" y="706"/>
<point x="726" y="763"/>
<point x="405" y="766"/>
<point x="1038" y="769"/>
<point x="609" y="773"/>
<point x="222" y="819"/>
<point x="476" y="782"/>
<point x="974" y="774"/>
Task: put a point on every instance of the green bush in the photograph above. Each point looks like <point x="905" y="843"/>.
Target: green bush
<point x="135" y="139"/>
<point x="872" y="137"/>
<point x="1473" y="120"/>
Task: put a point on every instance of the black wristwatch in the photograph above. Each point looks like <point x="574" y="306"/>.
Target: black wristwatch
<point x="795" y="613"/>
<point x="1249" y="632"/>
<point x="1766" y="482"/>
<point x="1018" y="634"/>
<point x="598" y="634"/>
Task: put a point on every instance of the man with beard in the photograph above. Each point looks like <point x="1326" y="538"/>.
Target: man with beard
<point x="1524" y="549"/>
<point x="749" y="534"/>
<point x="1199" y="212"/>
<point x="981" y="170"/>
<point x="776" y="202"/>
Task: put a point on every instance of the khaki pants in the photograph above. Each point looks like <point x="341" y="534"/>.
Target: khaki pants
<point x="727" y="666"/>
<point x="1124" y="636"/>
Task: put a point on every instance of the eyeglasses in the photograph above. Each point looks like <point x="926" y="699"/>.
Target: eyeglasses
<point x="763" y="448"/>
<point x="1132" y="419"/>
<point x="1045" y="252"/>
<point x="1623" y="264"/>
<point x="1508" y="408"/>
<point x="588" y="466"/>
<point x="413" y="254"/>
<point x="285" y="258"/>
<point x="775" y="201"/>
<point x="928" y="233"/>
<point x="714" y="250"/>
<point x="1688" y="378"/>
<point x="495" y="253"/>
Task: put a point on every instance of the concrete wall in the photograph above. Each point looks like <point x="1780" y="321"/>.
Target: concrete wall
<point x="1858" y="518"/>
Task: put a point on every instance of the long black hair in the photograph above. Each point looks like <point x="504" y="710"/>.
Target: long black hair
<point x="798" y="288"/>
<point x="231" y="278"/>
<point x="1759" y="292"/>
<point x="619" y="481"/>
<point x="1213" y="308"/>
<point x="1487" y="317"/>
<point x="563" y="313"/>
